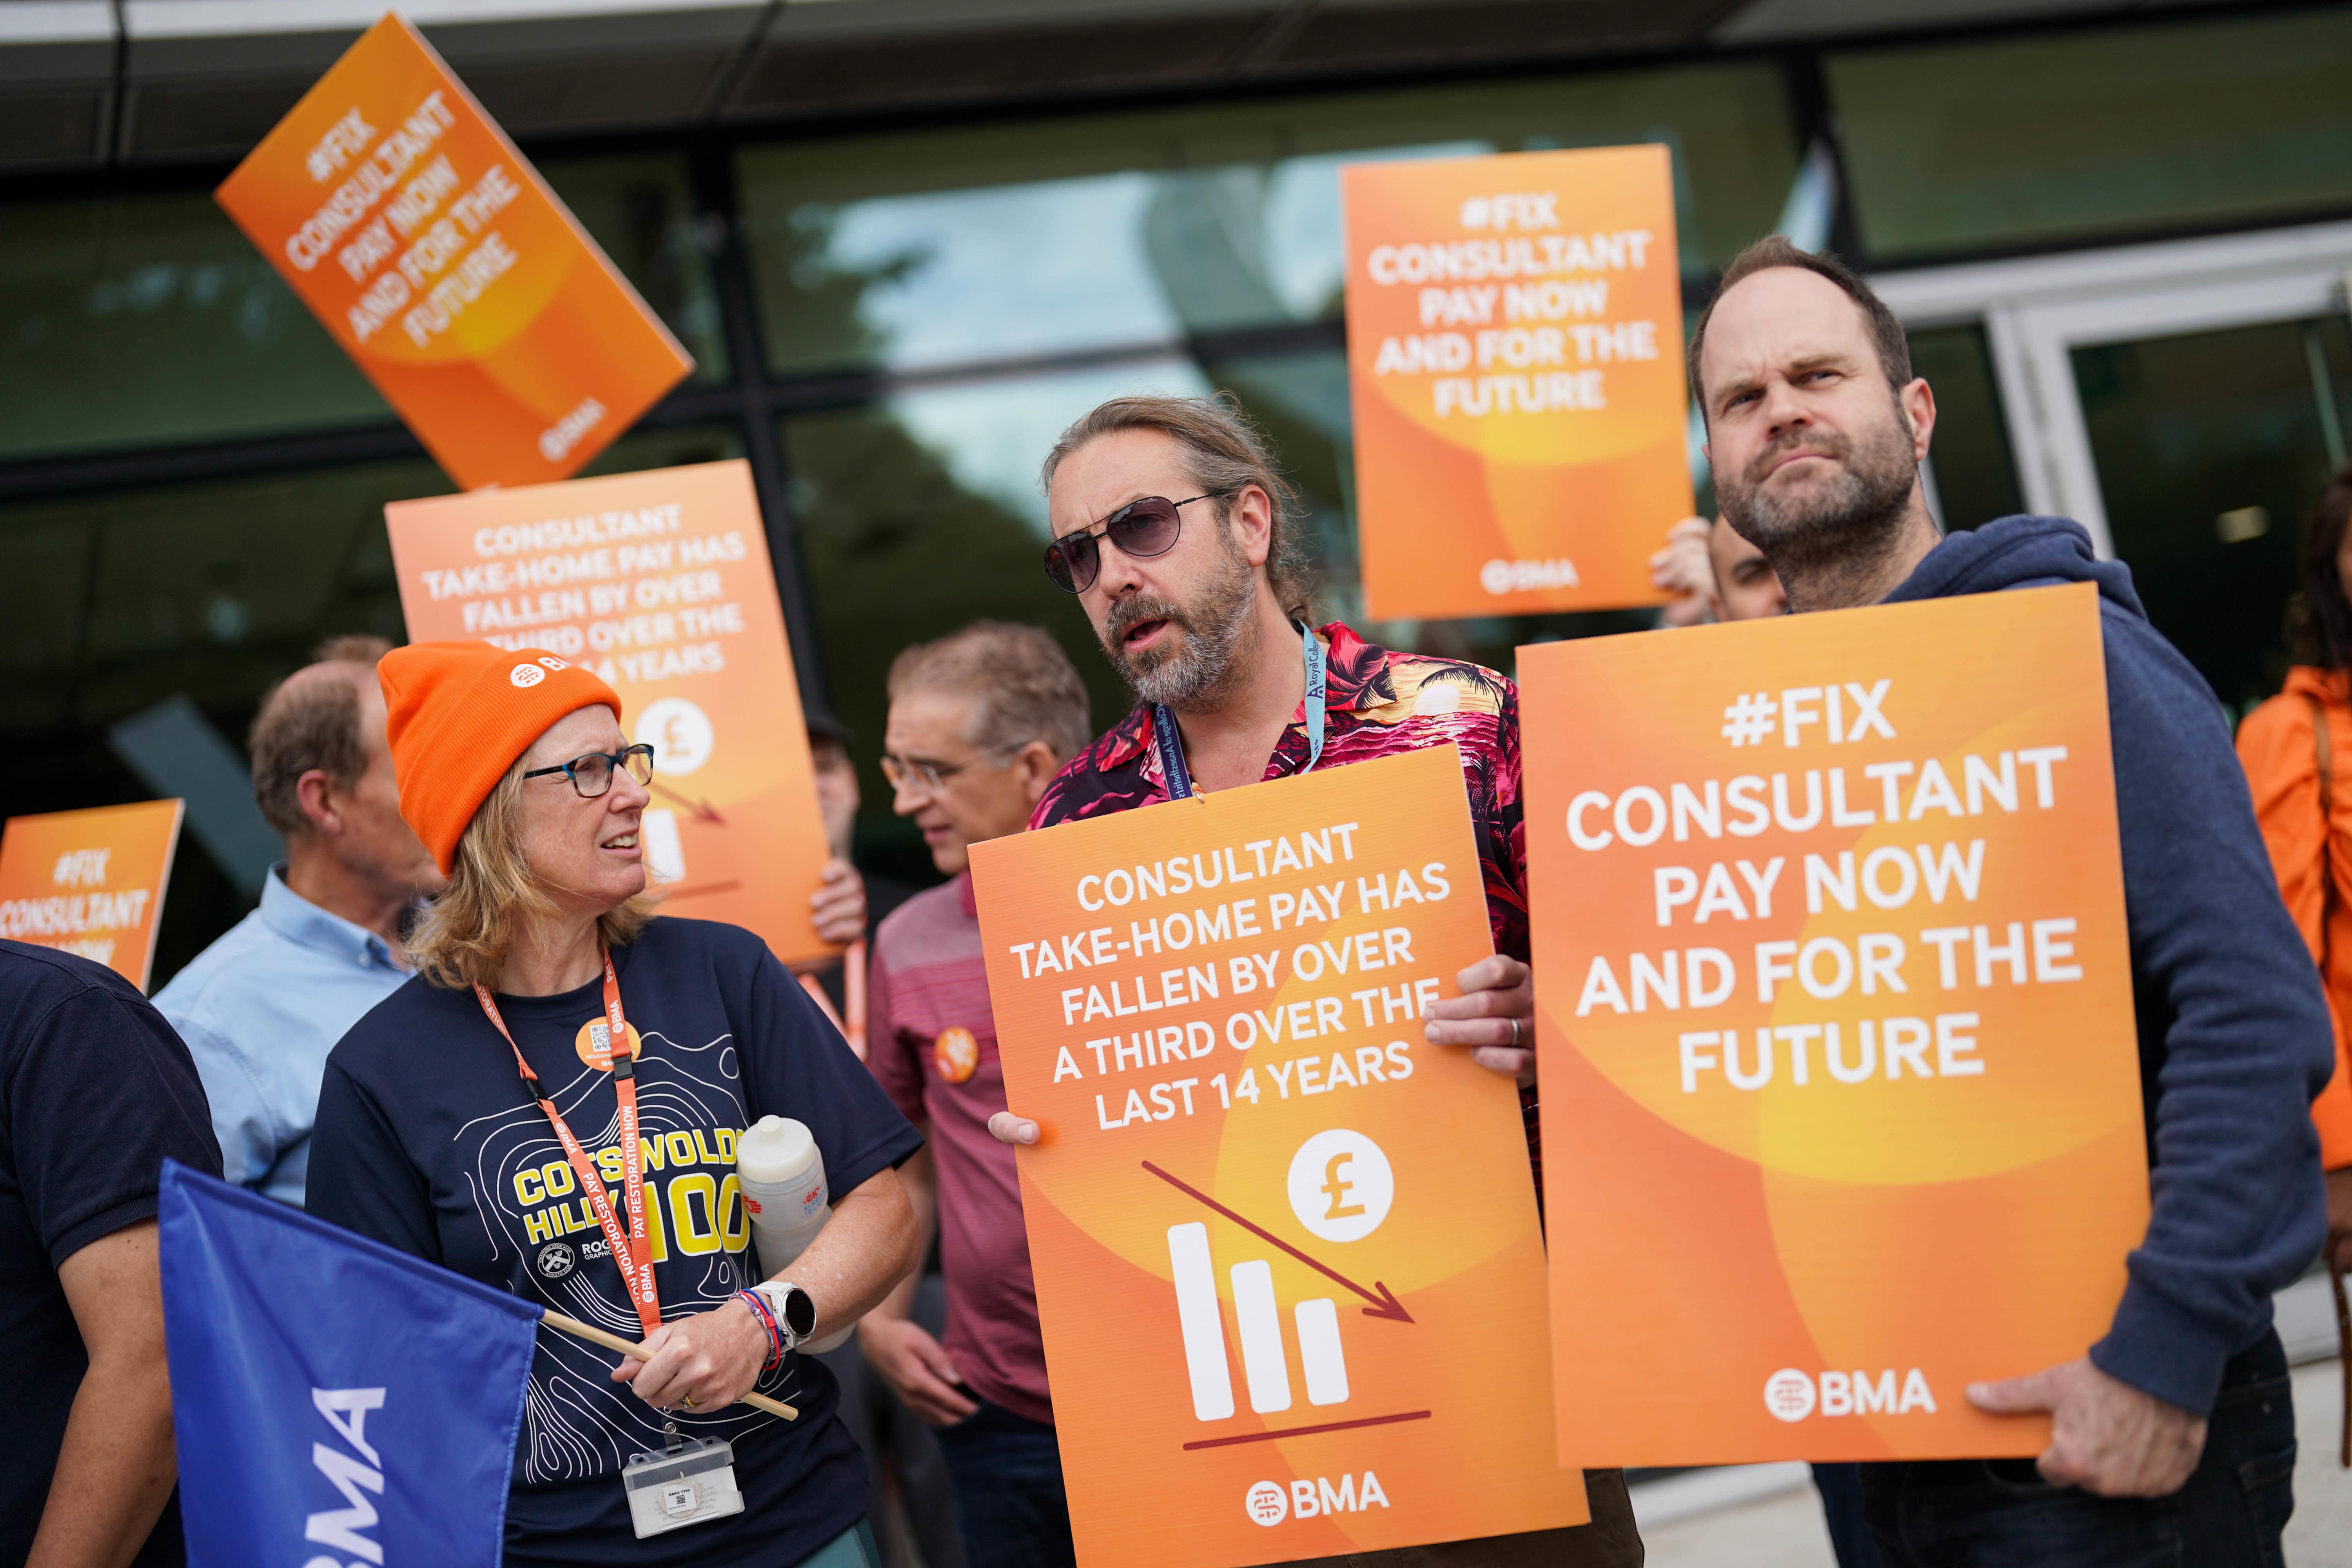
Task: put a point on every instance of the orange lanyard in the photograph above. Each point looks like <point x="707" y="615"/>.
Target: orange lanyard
<point x="628" y="1246"/>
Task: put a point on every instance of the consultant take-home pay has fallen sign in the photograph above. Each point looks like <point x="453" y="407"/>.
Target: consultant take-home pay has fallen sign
<point x="1214" y="1008"/>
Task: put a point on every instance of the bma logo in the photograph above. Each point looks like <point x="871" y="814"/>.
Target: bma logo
<point x="1268" y="1505"/>
<point x="529" y="675"/>
<point x="1791" y="1395"/>
<point x="1525" y="576"/>
<point x="554" y="1260"/>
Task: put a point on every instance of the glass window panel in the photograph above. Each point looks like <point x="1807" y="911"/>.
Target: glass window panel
<point x="925" y="249"/>
<point x="1975" y="475"/>
<point x="922" y="513"/>
<point x="2211" y="448"/>
<point x="641" y="210"/>
<point x="150" y="321"/>
<point x="671" y="448"/>
<point x="217" y="589"/>
<point x="2044" y="140"/>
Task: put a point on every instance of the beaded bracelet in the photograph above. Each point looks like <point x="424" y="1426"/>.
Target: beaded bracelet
<point x="767" y="1320"/>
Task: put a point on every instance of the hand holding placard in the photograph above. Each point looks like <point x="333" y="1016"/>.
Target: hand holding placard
<point x="1836" y="996"/>
<point x="1286" y="1253"/>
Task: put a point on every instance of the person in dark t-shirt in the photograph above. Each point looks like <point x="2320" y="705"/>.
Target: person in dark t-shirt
<point x="95" y="1091"/>
<point x="474" y="1117"/>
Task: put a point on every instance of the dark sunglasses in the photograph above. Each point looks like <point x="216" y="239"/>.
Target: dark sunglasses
<point x="1142" y="528"/>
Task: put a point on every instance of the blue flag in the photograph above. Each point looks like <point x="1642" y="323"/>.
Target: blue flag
<point x="338" y="1404"/>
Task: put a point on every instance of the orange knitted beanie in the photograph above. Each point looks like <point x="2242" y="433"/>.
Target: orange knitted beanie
<point x="459" y="714"/>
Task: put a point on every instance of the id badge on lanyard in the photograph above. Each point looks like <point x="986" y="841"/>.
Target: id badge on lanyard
<point x="1171" y="741"/>
<point x="692" y="1480"/>
<point x="627" y="1244"/>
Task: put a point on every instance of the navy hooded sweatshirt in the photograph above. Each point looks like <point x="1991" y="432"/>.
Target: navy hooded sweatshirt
<point x="2234" y="1037"/>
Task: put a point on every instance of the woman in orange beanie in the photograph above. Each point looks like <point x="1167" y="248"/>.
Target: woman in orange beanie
<point x="551" y="1107"/>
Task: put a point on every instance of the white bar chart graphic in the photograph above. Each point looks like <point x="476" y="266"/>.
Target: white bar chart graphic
<point x="1318" y="1351"/>
<point x="1197" y="1316"/>
<point x="1265" y="1364"/>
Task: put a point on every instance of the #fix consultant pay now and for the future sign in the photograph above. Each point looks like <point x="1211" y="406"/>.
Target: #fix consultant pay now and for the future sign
<point x="1842" y="1105"/>
<point x="432" y="250"/>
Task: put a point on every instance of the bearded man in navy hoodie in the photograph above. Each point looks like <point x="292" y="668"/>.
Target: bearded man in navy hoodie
<point x="2173" y="1437"/>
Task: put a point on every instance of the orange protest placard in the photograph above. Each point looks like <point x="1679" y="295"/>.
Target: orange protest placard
<point x="1515" y="365"/>
<point x="660" y="583"/>
<point x="402" y="216"/>
<point x="1286" y="1253"/>
<point x="1841" y="1105"/>
<point x="90" y="882"/>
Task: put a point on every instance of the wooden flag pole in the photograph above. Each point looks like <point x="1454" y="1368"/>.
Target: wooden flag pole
<point x="634" y="1351"/>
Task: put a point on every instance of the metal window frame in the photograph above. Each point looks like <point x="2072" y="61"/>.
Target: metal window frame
<point x="2037" y="311"/>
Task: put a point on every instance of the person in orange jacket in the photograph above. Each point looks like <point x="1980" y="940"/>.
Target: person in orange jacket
<point x="2297" y="752"/>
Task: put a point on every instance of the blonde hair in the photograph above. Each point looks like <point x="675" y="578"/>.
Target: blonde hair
<point x="469" y="926"/>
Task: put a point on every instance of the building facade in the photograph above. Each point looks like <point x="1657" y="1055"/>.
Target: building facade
<point x="906" y="240"/>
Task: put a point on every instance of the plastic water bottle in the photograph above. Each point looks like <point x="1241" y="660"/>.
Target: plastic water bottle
<point x="782" y="1172"/>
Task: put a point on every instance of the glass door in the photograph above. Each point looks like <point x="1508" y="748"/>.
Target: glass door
<point x="2210" y="448"/>
<point x="2186" y="404"/>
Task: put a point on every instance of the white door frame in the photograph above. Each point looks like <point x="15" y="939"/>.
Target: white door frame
<point x="2037" y="309"/>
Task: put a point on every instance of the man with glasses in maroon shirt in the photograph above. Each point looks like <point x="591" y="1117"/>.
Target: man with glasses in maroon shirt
<point x="1180" y="538"/>
<point x="979" y="721"/>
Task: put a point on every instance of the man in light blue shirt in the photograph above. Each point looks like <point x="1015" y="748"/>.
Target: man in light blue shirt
<point x="261" y="1007"/>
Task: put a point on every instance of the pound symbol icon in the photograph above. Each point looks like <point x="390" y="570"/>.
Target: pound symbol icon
<point x="1341" y="1185"/>
<point x="1337" y="1187"/>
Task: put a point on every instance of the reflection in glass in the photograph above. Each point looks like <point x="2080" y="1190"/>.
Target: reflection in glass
<point x="2211" y="447"/>
<point x="1957" y="147"/>
<point x="932" y="249"/>
<point x="146" y="319"/>
<point x="1973" y="473"/>
<point x="640" y="210"/>
<point x="923" y="513"/>
<point x="150" y="320"/>
<point x="217" y="589"/>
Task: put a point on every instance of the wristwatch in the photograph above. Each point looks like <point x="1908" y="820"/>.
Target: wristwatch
<point x="794" y="1309"/>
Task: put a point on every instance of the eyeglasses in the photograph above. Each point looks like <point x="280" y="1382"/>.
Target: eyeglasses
<point x="592" y="775"/>
<point x="930" y="775"/>
<point x="1142" y="528"/>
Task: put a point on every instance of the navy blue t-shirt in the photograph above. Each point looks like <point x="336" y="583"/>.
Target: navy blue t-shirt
<point x="427" y="1142"/>
<point x="95" y="1092"/>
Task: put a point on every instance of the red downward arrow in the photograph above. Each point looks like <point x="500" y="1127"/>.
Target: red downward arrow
<point x="1384" y="1301"/>
<point x="700" y="808"/>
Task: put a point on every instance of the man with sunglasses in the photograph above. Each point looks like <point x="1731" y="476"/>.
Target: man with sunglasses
<point x="1180" y="540"/>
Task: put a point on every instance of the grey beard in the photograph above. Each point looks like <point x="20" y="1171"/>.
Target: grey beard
<point x="1219" y="630"/>
<point x="1845" y="527"/>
